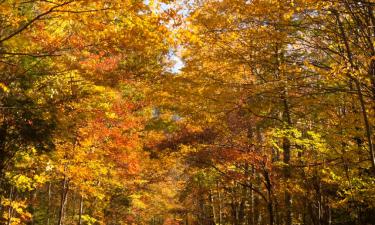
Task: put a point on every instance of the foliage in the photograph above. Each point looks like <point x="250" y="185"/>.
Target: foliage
<point x="269" y="121"/>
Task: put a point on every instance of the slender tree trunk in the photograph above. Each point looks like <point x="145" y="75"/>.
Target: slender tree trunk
<point x="372" y="76"/>
<point x="241" y="213"/>
<point x="329" y="222"/>
<point x="49" y="203"/>
<point x="201" y="209"/>
<point x="234" y="210"/>
<point x="252" y="202"/>
<point x="64" y="197"/>
<point x="278" y="217"/>
<point x="213" y="207"/>
<point x="10" y="208"/>
<point x="3" y="151"/>
<point x="80" y="210"/>
<point x="286" y="159"/>
<point x="270" y="198"/>
<point x="220" y="203"/>
<point x="286" y="118"/>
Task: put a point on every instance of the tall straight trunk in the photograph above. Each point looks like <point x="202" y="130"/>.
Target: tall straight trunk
<point x="201" y="214"/>
<point x="320" y="207"/>
<point x="220" y="203"/>
<point x="278" y="218"/>
<point x="286" y="159"/>
<point x="257" y="213"/>
<point x="234" y="208"/>
<point x="3" y="150"/>
<point x="10" y="208"/>
<point x="49" y="203"/>
<point x="241" y="213"/>
<point x="269" y="196"/>
<point x="213" y="208"/>
<point x="80" y="210"/>
<point x="252" y="202"/>
<point x="64" y="197"/>
<point x="286" y="118"/>
<point x="186" y="220"/>
<point x="73" y="205"/>
<point x="372" y="77"/>
<point x="259" y="218"/>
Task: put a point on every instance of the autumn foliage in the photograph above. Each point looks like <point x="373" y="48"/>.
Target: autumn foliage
<point x="187" y="112"/>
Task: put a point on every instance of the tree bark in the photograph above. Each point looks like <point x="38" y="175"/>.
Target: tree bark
<point x="80" y="210"/>
<point x="220" y="203"/>
<point x="10" y="208"/>
<point x="64" y="197"/>
<point x="49" y="203"/>
<point x="286" y="159"/>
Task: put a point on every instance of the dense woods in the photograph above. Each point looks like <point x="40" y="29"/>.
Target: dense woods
<point x="226" y="112"/>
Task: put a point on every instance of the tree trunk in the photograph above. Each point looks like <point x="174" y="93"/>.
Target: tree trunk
<point x="286" y="159"/>
<point x="3" y="153"/>
<point x="49" y="203"/>
<point x="213" y="207"/>
<point x="80" y="210"/>
<point x="220" y="203"/>
<point x="64" y="195"/>
<point x="270" y="199"/>
<point x="10" y="208"/>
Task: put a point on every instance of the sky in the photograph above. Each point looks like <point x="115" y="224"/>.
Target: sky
<point x="179" y="64"/>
